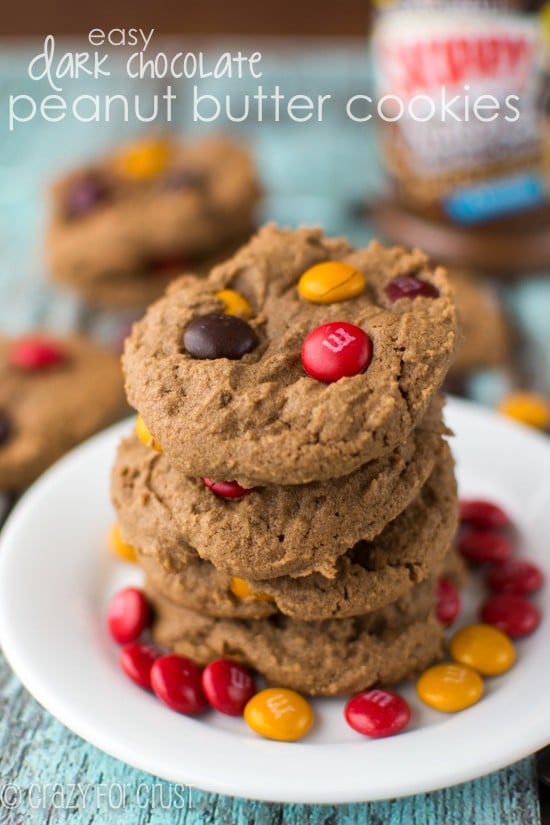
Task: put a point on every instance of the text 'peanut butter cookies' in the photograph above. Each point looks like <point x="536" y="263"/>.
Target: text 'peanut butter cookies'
<point x="254" y="414"/>
<point x="54" y="393"/>
<point x="274" y="531"/>
<point x="328" y="658"/>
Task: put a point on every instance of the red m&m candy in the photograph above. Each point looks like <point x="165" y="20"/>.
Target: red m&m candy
<point x="377" y="713"/>
<point x="484" y="545"/>
<point x="511" y="613"/>
<point x="228" y="686"/>
<point x="336" y="350"/>
<point x="177" y="682"/>
<point x="36" y="353"/>
<point x="227" y="489"/>
<point x="517" y="576"/>
<point x="128" y="615"/>
<point x="448" y="602"/>
<point x="136" y="660"/>
<point x="483" y="514"/>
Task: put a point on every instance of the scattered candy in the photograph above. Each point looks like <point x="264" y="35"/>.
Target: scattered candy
<point x="484" y="545"/>
<point x="36" y="353"/>
<point x="119" y="546"/>
<point x="527" y="407"/>
<point x="228" y="686"/>
<point x="5" y="427"/>
<point x="278" y="713"/>
<point x="219" y="336"/>
<point x="128" y="615"/>
<point x="483" y="647"/>
<point x="331" y="281"/>
<point x="483" y="514"/>
<point x="336" y="350"/>
<point x="84" y="195"/>
<point x="228" y="489"/>
<point x="407" y="287"/>
<point x="242" y="590"/>
<point x="234" y="304"/>
<point x="177" y="682"/>
<point x="142" y="432"/>
<point x="517" y="576"/>
<point x="377" y="713"/>
<point x="136" y="660"/>
<point x="448" y="602"/>
<point x="144" y="160"/>
<point x="511" y="613"/>
<point x="449" y="687"/>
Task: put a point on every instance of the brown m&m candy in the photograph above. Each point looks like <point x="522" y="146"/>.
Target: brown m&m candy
<point x="219" y="336"/>
<point x="407" y="287"/>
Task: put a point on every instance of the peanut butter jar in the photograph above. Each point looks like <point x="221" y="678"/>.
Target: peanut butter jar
<point x="463" y="99"/>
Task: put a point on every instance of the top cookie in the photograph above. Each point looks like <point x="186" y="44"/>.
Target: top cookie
<point x="258" y="416"/>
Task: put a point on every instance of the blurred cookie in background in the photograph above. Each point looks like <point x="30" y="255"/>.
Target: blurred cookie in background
<point x="123" y="227"/>
<point x="54" y="393"/>
<point x="487" y="335"/>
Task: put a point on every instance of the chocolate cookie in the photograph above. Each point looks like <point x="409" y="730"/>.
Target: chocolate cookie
<point x="373" y="574"/>
<point x="369" y="576"/>
<point x="327" y="658"/>
<point x="486" y="335"/>
<point x="121" y="228"/>
<point x="199" y="586"/>
<point x="54" y="393"/>
<point x="273" y="531"/>
<point x="256" y="415"/>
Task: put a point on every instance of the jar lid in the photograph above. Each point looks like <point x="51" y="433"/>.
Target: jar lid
<point x="508" y="249"/>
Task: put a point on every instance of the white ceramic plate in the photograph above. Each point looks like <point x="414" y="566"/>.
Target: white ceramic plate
<point x="56" y="578"/>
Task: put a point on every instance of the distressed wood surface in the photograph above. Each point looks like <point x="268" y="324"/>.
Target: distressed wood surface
<point x="313" y="174"/>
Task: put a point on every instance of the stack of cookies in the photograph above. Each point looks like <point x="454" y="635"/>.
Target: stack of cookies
<point x="290" y="492"/>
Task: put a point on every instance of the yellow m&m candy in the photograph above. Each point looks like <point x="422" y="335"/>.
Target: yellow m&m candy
<point x="330" y="282"/>
<point x="483" y="647"/>
<point x="528" y="407"/>
<point x="142" y="432"/>
<point x="242" y="590"/>
<point x="277" y="713"/>
<point x="234" y="304"/>
<point x="144" y="159"/>
<point x="119" y="546"/>
<point x="450" y="687"/>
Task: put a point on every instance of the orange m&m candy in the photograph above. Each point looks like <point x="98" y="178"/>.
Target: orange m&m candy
<point x="119" y="547"/>
<point x="142" y="432"/>
<point x="483" y="647"/>
<point x="528" y="407"/>
<point x="278" y="713"/>
<point x="330" y="282"/>
<point x="450" y="687"/>
<point x="242" y="590"/>
<point x="234" y="304"/>
<point x="144" y="159"/>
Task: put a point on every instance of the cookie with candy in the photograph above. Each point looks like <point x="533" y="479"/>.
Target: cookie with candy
<point x="123" y="226"/>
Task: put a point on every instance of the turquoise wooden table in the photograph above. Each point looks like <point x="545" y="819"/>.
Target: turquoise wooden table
<point x="313" y="173"/>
